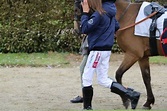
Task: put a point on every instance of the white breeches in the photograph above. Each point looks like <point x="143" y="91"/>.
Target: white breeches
<point x="98" y="62"/>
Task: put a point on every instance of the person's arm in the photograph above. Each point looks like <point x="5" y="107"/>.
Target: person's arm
<point x="88" y="23"/>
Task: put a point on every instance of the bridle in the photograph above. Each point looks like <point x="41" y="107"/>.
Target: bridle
<point x="126" y="9"/>
<point x="132" y="25"/>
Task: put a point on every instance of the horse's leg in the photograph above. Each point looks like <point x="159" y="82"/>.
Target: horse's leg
<point x="145" y="70"/>
<point x="129" y="60"/>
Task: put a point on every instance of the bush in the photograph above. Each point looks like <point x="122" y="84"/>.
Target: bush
<point x="37" y="26"/>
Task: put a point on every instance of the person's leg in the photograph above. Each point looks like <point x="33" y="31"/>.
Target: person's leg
<point x="128" y="92"/>
<point x="102" y="69"/>
<point x="87" y="97"/>
<point x="79" y="99"/>
<point x="87" y="78"/>
<point x="115" y="87"/>
<point x="82" y="66"/>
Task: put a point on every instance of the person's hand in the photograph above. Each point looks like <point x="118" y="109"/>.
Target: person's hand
<point x="85" y="6"/>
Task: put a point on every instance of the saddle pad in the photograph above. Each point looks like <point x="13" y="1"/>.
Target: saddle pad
<point x="142" y="29"/>
<point x="163" y="40"/>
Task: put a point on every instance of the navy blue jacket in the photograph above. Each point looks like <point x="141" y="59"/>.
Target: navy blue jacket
<point x="100" y="28"/>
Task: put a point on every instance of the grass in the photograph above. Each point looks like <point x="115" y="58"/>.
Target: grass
<point x="49" y="59"/>
<point x="158" y="60"/>
<point x="126" y="110"/>
<point x="34" y="59"/>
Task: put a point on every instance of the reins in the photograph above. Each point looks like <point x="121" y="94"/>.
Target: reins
<point x="132" y="25"/>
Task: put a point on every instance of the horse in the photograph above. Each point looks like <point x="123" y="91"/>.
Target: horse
<point x="135" y="48"/>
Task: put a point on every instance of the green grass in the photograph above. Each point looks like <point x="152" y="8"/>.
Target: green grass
<point x="125" y="110"/>
<point x="129" y="110"/>
<point x="49" y="59"/>
<point x="34" y="59"/>
<point x="158" y="60"/>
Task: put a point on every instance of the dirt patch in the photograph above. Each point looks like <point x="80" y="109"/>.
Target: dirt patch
<point x="50" y="89"/>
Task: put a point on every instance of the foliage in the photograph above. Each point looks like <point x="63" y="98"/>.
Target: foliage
<point x="37" y="26"/>
<point x="34" y="59"/>
<point x="115" y="48"/>
<point x="52" y="59"/>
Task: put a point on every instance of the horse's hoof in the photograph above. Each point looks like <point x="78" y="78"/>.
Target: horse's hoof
<point x="146" y="108"/>
<point x="126" y="103"/>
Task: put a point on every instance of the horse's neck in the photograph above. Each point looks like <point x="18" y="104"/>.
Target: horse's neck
<point x="122" y="7"/>
<point x="127" y="12"/>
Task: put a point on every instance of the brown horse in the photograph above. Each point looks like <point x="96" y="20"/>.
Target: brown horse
<point x="135" y="48"/>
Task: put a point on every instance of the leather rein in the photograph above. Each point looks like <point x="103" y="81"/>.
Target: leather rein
<point x="132" y="25"/>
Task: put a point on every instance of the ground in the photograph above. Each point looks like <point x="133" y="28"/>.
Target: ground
<point x="51" y="88"/>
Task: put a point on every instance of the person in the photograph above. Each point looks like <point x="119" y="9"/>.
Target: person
<point x="84" y="44"/>
<point x="100" y="29"/>
<point x="84" y="52"/>
<point x="83" y="49"/>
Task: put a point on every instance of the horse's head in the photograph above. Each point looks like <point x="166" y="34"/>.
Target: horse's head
<point x="77" y="15"/>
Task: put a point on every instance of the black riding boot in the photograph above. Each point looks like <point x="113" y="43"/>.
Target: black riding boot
<point x="129" y="93"/>
<point x="87" y="97"/>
